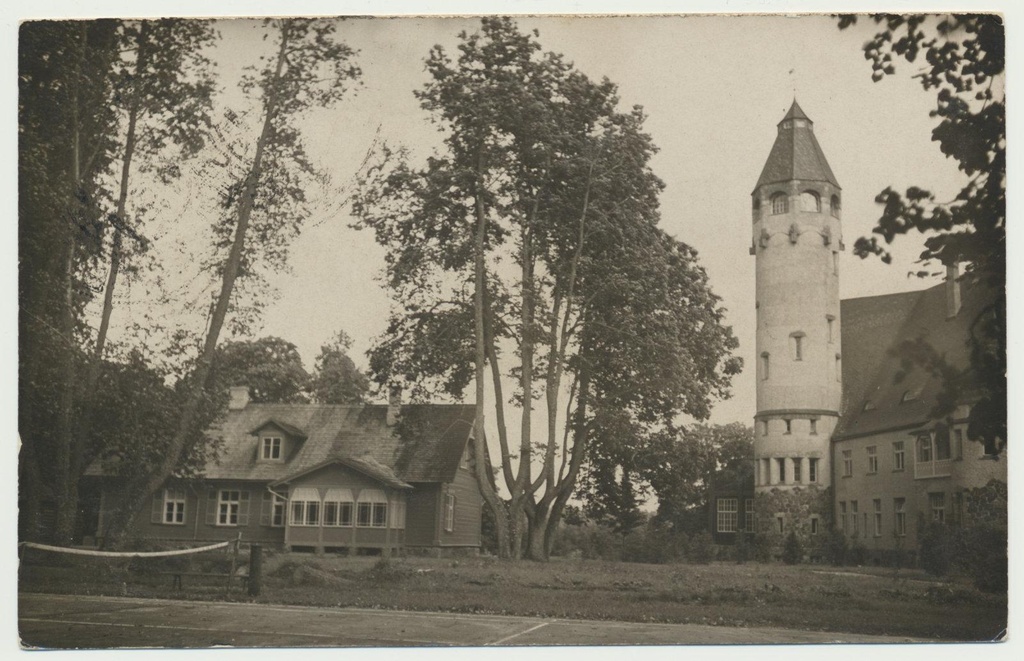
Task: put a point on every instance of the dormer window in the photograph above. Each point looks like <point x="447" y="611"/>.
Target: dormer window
<point x="908" y="396"/>
<point x="271" y="450"/>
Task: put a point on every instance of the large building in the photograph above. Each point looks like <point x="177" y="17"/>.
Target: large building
<point x="844" y="436"/>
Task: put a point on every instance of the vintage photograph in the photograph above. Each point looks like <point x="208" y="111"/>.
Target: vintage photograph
<point x="501" y="330"/>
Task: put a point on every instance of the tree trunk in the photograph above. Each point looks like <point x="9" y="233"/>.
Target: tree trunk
<point x="186" y="434"/>
<point x="501" y="515"/>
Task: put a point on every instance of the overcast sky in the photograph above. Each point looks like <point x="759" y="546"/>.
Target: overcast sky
<point x="713" y="88"/>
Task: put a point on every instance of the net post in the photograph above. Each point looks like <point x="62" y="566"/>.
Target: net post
<point x="255" y="569"/>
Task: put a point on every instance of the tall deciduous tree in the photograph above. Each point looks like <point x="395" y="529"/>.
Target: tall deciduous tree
<point x="963" y="64"/>
<point x="337" y="380"/>
<point x="535" y="235"/>
<point x="65" y="126"/>
<point x="270" y="367"/>
<point x="264" y="204"/>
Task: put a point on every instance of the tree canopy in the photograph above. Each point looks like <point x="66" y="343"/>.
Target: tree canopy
<point x="961" y="59"/>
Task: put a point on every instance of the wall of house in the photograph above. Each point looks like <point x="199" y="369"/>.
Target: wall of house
<point x="468" y="510"/>
<point x="966" y="471"/>
<point x="200" y="522"/>
<point x="422" y="515"/>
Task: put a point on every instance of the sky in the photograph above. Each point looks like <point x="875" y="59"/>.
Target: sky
<point x="713" y="88"/>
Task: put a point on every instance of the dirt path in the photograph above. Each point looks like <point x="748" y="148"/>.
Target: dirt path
<point x="66" y="621"/>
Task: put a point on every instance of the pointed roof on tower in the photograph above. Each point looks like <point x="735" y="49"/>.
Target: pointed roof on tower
<point x="796" y="153"/>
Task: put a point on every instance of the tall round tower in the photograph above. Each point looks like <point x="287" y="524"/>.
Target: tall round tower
<point x="796" y="240"/>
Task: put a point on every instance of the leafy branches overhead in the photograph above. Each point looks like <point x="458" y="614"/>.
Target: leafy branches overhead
<point x="530" y="242"/>
<point x="963" y="64"/>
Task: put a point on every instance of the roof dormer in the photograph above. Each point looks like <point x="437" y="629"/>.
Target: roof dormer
<point x="277" y="441"/>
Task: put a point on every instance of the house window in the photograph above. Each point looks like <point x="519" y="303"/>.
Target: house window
<point x="764" y="366"/>
<point x="748" y="514"/>
<point x="174" y="506"/>
<point x="908" y="396"/>
<point x="810" y="201"/>
<point x="937" y="504"/>
<point x="797" y="466"/>
<point x="942" y="449"/>
<point x="782" y="470"/>
<point x="397" y="513"/>
<point x="831" y="321"/>
<point x="853" y="517"/>
<point x="924" y="448"/>
<point x="958" y="508"/>
<point x="789" y="425"/>
<point x="958" y="443"/>
<point x="305" y="507"/>
<point x="797" y="344"/>
<point x="781" y="523"/>
<point x="228" y="505"/>
<point x="847" y="463"/>
<point x="273" y="510"/>
<point x="834" y="203"/>
<point x="814" y="525"/>
<point x="900" y="518"/>
<point x="842" y="516"/>
<point x="872" y="459"/>
<point x="271" y="448"/>
<point x="372" y="509"/>
<point x="339" y="507"/>
<point x="812" y="470"/>
<point x="898" y="456"/>
<point x="727" y="513"/>
<point x="780" y="203"/>
<point x="878" y="517"/>
<point x="814" y="425"/>
<point x="449" y="513"/>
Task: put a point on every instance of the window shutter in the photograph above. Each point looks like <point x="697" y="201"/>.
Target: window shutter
<point x="243" y="508"/>
<point x="157" y="515"/>
<point x="211" y="507"/>
<point x="267" y="509"/>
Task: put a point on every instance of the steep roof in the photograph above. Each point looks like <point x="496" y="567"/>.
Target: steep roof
<point x="872" y="328"/>
<point x="796" y="154"/>
<point x="425" y="446"/>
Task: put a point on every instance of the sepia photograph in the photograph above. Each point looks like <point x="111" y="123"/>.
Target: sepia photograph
<point x="510" y="329"/>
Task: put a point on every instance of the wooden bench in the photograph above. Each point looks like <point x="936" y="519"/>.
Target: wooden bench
<point x="177" y="576"/>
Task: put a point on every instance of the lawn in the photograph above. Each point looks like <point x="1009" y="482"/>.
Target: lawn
<point x="809" y="597"/>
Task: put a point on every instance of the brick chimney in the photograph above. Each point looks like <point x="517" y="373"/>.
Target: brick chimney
<point x="952" y="290"/>
<point x="239" y="398"/>
<point x="394" y="405"/>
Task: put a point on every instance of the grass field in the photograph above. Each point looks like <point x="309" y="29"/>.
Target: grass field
<point x="807" y="597"/>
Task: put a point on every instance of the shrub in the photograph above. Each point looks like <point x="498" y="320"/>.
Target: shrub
<point x="761" y="548"/>
<point x="857" y="554"/>
<point x="702" y="548"/>
<point x="836" y="547"/>
<point x="792" y="551"/>
<point x="984" y="558"/>
<point x="934" y="546"/>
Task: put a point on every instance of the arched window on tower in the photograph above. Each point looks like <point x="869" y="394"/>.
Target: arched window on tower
<point x="796" y="342"/>
<point x="834" y="206"/>
<point x="780" y="203"/>
<point x="764" y="366"/>
<point x="810" y="201"/>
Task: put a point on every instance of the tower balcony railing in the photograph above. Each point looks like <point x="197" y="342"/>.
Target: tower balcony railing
<point x="936" y="468"/>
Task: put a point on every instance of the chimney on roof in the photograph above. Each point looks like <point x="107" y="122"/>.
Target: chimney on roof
<point x="952" y="290"/>
<point x="394" y="405"/>
<point x="239" y="398"/>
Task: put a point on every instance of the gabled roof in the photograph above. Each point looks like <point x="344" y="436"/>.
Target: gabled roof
<point x="871" y="328"/>
<point x="291" y="430"/>
<point x="796" y="154"/>
<point x="425" y="446"/>
<point x="366" y="465"/>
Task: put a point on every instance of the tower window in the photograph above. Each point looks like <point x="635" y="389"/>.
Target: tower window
<point x="839" y="368"/>
<point x="756" y="208"/>
<point x="764" y="428"/>
<point x="812" y="470"/>
<point x="764" y="366"/>
<point x="789" y="425"/>
<point x="797" y="342"/>
<point x="780" y="203"/>
<point x="834" y="203"/>
<point x="782" y="470"/>
<point x="814" y="425"/>
<point x="797" y="472"/>
<point x="810" y="201"/>
<point x="831" y="321"/>
<point x="835" y="263"/>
